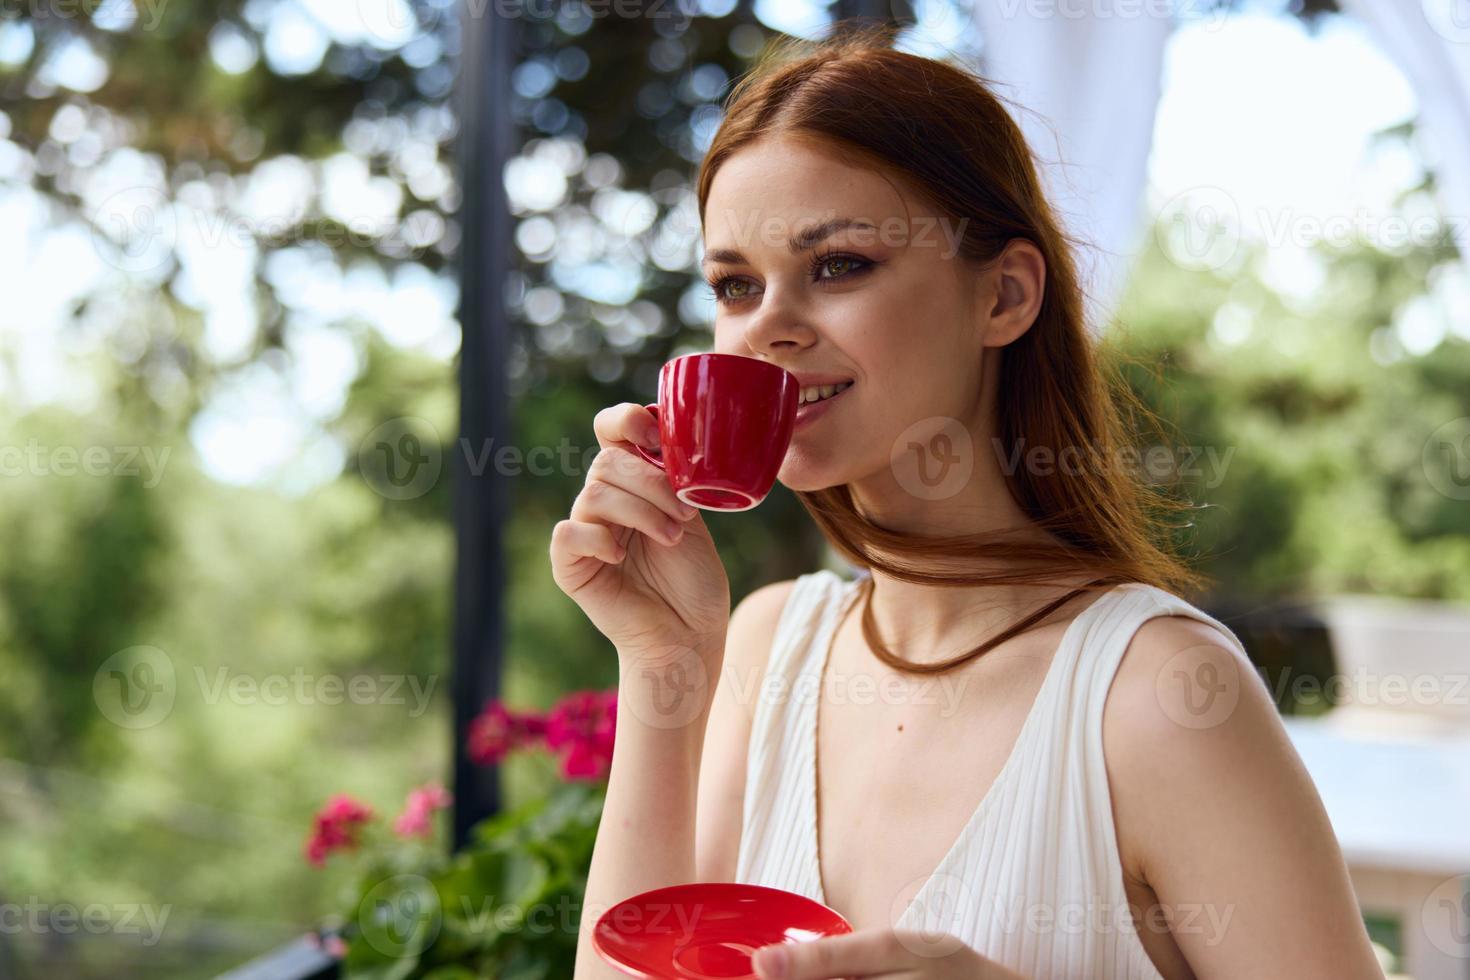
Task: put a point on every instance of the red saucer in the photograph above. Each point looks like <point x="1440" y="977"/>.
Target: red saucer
<point x="707" y="930"/>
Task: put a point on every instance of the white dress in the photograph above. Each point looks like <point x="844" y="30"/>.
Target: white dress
<point x="1033" y="881"/>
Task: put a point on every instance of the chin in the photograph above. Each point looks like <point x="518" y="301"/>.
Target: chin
<point x="808" y="476"/>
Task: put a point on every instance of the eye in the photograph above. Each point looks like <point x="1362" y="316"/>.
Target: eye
<point x="730" y="289"/>
<point x="825" y="267"/>
<point x="829" y="266"/>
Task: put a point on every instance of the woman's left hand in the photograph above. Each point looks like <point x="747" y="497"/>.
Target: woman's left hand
<point x="891" y="954"/>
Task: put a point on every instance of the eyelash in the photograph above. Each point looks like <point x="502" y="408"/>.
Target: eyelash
<point x="717" y="286"/>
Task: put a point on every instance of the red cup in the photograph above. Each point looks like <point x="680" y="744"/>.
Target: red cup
<point x="724" y="424"/>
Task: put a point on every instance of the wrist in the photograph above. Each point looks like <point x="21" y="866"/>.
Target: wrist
<point x="668" y="689"/>
<point x="710" y="647"/>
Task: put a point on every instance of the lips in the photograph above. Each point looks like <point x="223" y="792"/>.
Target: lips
<point x="810" y="411"/>
<point x="807" y="379"/>
<point x="815" y="392"/>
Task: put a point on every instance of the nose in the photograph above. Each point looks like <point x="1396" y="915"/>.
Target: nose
<point x="776" y="329"/>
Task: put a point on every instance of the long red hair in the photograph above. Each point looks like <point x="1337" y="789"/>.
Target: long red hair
<point x="942" y="129"/>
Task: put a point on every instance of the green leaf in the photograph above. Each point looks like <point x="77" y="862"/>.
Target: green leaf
<point x="524" y="878"/>
<point x="451" y="972"/>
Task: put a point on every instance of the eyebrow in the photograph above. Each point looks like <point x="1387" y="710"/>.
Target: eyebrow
<point x="798" y="243"/>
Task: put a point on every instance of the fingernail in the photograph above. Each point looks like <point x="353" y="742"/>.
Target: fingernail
<point x="687" y="510"/>
<point x="673" y="531"/>
<point x="771" y="961"/>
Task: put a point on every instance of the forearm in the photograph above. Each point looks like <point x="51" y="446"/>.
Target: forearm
<point x="645" y="839"/>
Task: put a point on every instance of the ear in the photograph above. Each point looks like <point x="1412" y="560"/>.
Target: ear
<point x="1017" y="280"/>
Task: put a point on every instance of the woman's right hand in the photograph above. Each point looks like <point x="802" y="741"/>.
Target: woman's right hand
<point x="632" y="556"/>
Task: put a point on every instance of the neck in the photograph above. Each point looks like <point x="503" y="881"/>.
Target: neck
<point x="932" y="623"/>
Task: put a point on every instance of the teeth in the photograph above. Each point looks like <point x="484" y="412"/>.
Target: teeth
<point x="814" y="393"/>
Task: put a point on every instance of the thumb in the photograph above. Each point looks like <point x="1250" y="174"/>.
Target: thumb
<point x="828" y="958"/>
<point x="771" y="962"/>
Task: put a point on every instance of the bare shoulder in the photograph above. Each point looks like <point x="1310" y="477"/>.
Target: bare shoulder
<point x="761" y="608"/>
<point x="721" y="792"/>
<point x="1203" y="775"/>
<point x="753" y="624"/>
<point x="1185" y="697"/>
<point x="1180" y="675"/>
<point x="1185" y="709"/>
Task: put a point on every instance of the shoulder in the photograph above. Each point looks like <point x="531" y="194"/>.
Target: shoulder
<point x="766" y="601"/>
<point x="721" y="801"/>
<point x="767" y="612"/>
<point x="754" y="623"/>
<point x="1188" y="725"/>
<point x="1182" y="674"/>
<point x="765" y="609"/>
<point x="760" y="611"/>
<point x="1201" y="771"/>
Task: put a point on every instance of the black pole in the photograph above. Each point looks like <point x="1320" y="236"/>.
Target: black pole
<point x="481" y="502"/>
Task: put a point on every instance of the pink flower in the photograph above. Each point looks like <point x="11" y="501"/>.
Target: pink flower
<point x="587" y="759"/>
<point x="497" y="731"/>
<point x="416" y="820"/>
<point x="580" y="726"/>
<point x="336" y="827"/>
<point x="583" y="723"/>
<point x="581" y="715"/>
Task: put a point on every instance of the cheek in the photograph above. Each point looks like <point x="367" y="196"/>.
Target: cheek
<point x="725" y="340"/>
<point x="918" y="388"/>
<point x="919" y="331"/>
<point x="916" y="369"/>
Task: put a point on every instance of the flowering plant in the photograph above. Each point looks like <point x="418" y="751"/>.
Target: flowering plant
<point x="508" y="903"/>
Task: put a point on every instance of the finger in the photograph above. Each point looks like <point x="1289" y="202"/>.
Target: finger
<point x="624" y="424"/>
<point x="870" y="952"/>
<point x="638" y="476"/>
<point x="571" y="541"/>
<point x="605" y="503"/>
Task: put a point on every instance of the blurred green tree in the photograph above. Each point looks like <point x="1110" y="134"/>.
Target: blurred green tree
<point x="171" y="137"/>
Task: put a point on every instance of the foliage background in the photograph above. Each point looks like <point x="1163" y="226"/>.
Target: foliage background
<point x="1323" y="412"/>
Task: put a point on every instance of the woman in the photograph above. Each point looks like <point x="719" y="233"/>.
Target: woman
<point x="1026" y="755"/>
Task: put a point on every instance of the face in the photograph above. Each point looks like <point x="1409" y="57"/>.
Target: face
<point x="884" y="302"/>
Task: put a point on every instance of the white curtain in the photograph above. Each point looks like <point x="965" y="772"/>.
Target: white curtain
<point x="1087" y="85"/>
<point x="1429" y="40"/>
<point x="1087" y="79"/>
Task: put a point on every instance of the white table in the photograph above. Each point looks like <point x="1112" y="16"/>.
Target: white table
<point x="1400" y="806"/>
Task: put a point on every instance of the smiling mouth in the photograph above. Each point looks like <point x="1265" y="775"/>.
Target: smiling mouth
<point x="815" y="394"/>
